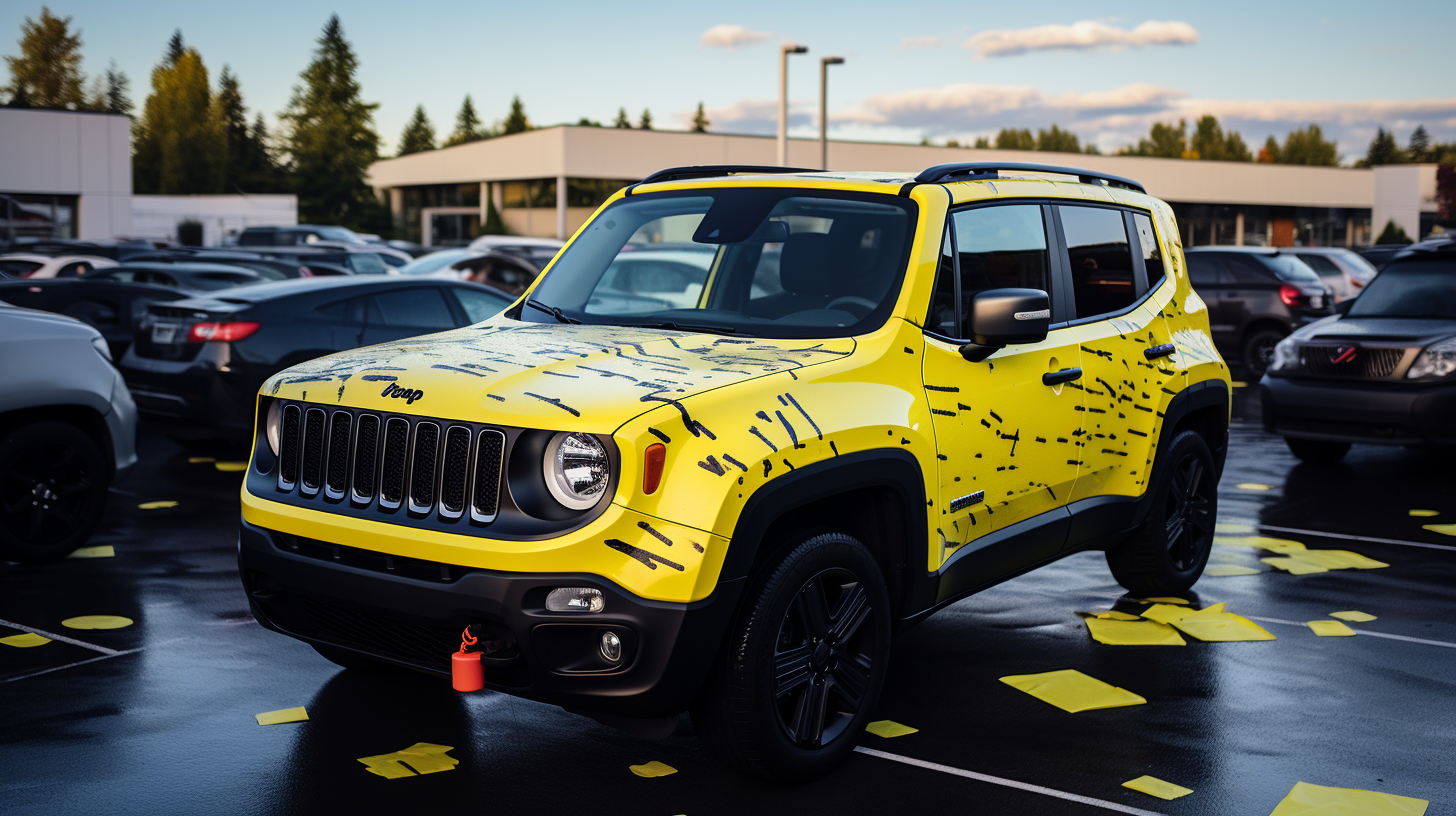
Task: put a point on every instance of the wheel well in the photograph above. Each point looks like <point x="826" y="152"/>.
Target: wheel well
<point x="1211" y="423"/>
<point x="86" y="419"/>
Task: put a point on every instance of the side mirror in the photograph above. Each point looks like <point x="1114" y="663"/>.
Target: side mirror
<point x="1006" y="317"/>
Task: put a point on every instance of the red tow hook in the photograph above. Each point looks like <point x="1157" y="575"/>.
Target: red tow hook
<point x="466" y="673"/>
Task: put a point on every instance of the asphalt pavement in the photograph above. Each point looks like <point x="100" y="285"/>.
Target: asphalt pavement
<point x="158" y="717"/>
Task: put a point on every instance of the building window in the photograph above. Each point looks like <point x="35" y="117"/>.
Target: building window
<point x="37" y="216"/>
<point x="532" y="193"/>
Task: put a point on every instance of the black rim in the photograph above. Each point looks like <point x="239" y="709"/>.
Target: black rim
<point x="1190" y="512"/>
<point x="824" y="658"/>
<point x="1264" y="354"/>
<point x="43" y="494"/>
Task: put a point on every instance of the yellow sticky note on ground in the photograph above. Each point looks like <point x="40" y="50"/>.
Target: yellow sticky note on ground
<point x="1294" y="566"/>
<point x="25" y="641"/>
<point x="423" y="757"/>
<point x="1221" y="627"/>
<point x="1338" y="559"/>
<point x="1071" y="690"/>
<point x="99" y="551"/>
<point x="199" y="460"/>
<point x="1329" y="628"/>
<point x="1133" y="633"/>
<point x="1279" y="545"/>
<point x="285" y="715"/>
<point x="156" y="505"/>
<point x="1113" y="614"/>
<point x="97" y="622"/>
<point x="1425" y="513"/>
<point x="1153" y="786"/>
<point x="1443" y="529"/>
<point x="653" y="768"/>
<point x="1226" y="570"/>
<point x="230" y="467"/>
<point x="889" y="728"/>
<point x="1254" y="486"/>
<point x="1228" y="528"/>
<point x="1352" y="615"/>
<point x="1164" y="613"/>
<point x="1167" y="600"/>
<point x="1309" y="799"/>
<point x="1238" y="384"/>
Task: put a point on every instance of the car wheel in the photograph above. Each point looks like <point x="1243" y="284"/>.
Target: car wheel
<point x="354" y="661"/>
<point x="802" y="667"/>
<point x="1259" y="352"/>
<point x="1317" y="451"/>
<point x="1168" y="552"/>
<point x="53" y="485"/>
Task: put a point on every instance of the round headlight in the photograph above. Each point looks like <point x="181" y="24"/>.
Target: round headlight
<point x="576" y="469"/>
<point x="274" y="425"/>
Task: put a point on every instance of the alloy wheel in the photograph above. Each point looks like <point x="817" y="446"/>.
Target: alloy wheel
<point x="823" y="658"/>
<point x="1189" y="513"/>
<point x="42" y="496"/>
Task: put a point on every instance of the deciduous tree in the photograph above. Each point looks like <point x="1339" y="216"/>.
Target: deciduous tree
<point x="179" y="148"/>
<point x="1308" y="146"/>
<point x="1058" y="141"/>
<point x="419" y="134"/>
<point x="1013" y="139"/>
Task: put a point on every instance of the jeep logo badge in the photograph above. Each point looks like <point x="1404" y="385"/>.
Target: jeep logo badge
<point x="409" y="395"/>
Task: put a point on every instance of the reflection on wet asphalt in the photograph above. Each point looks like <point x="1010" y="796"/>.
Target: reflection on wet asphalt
<point x="169" y="727"/>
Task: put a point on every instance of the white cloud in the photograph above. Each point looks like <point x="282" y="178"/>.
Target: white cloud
<point x="731" y="36"/>
<point x="954" y="108"/>
<point x="753" y="116"/>
<point x="1086" y="35"/>
<point x="920" y="43"/>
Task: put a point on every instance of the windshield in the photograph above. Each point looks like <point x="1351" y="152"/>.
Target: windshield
<point x="433" y="262"/>
<point x="366" y="263"/>
<point x="338" y="234"/>
<point x="773" y="262"/>
<point x="1414" y="287"/>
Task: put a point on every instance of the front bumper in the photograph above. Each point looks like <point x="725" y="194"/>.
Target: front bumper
<point x="411" y="612"/>
<point x="1356" y="411"/>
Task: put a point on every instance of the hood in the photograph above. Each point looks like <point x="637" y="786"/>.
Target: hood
<point x="40" y="325"/>
<point x="562" y="377"/>
<point x="1410" y="331"/>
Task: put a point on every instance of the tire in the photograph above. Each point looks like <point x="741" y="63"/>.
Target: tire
<point x="1168" y="552"/>
<point x="354" y="661"/>
<point x="53" y="486"/>
<point x="1317" y="451"/>
<point x="1258" y="352"/>
<point x="813" y="628"/>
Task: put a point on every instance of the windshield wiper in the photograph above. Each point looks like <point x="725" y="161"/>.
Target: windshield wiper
<point x="687" y="327"/>
<point x="551" y="310"/>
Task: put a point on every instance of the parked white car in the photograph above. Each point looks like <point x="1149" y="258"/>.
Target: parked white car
<point x="41" y="267"/>
<point x="1343" y="270"/>
<point x="539" y="251"/>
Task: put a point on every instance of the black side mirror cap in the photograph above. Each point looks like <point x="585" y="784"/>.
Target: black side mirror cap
<point x="1006" y="317"/>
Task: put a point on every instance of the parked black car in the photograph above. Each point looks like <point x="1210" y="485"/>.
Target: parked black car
<point x="1255" y="298"/>
<point x="1381" y="254"/>
<point x="269" y="268"/>
<point x="115" y="250"/>
<point x="198" y="363"/>
<point x="114" y="300"/>
<point x="324" y="261"/>
<point x="335" y="238"/>
<point x="1383" y="371"/>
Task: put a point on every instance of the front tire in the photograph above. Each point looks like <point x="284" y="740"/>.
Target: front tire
<point x="1168" y="552"/>
<point x="1258" y="352"/>
<point x="53" y="490"/>
<point x="1317" y="451"/>
<point x="803" y="665"/>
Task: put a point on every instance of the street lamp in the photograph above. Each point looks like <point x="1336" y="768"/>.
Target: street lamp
<point x="784" y="52"/>
<point x="824" y="108"/>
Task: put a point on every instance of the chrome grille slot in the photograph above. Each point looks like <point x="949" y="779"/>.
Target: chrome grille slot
<point x="336" y="480"/>
<point x="288" y="448"/>
<point x="485" y="493"/>
<point x="366" y="457"/>
<point x="312" y="475"/>
<point x="422" y="467"/>
<point x="455" y="472"/>
<point x="396" y="456"/>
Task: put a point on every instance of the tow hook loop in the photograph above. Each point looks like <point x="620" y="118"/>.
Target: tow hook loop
<point x="466" y="673"/>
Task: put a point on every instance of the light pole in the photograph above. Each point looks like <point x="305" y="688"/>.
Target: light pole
<point x="784" y="52"/>
<point x="824" y="108"/>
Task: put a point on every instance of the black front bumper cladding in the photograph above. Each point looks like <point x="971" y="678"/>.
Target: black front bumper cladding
<point x="1356" y="411"/>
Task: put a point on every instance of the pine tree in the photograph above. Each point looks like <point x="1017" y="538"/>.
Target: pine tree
<point x="1419" y="148"/>
<point x="467" y="126"/>
<point x="1058" y="141"/>
<point x="231" y="119"/>
<point x="331" y="138"/>
<point x="418" y="135"/>
<point x="1013" y="139"/>
<point x="1308" y="146"/>
<point x="516" y="121"/>
<point x="1383" y="150"/>
<point x="1211" y="143"/>
<point x="261" y="171"/>
<point x="645" y="123"/>
<point x="1164" y="141"/>
<point x="179" y="148"/>
<point x="1269" y="153"/>
<point x="700" y="120"/>
<point x="175" y="47"/>
<point x="47" y="74"/>
<point x="622" y="120"/>
<point x="116" y="98"/>
<point x="1393" y="234"/>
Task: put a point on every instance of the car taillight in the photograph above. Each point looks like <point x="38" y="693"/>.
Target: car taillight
<point x="1292" y="296"/>
<point x="221" y="332"/>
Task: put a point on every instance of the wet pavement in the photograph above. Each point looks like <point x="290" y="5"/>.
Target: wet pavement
<point x="158" y="717"/>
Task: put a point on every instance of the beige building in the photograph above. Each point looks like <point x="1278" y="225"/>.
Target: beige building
<point x="547" y="183"/>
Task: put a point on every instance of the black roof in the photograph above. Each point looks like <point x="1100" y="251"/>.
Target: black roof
<point x="274" y="290"/>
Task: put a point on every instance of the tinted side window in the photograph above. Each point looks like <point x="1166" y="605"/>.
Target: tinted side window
<point x="999" y="248"/>
<point x="1101" y="260"/>
<point x="479" y="305"/>
<point x="1203" y="269"/>
<point x="1152" y="254"/>
<point x="255" y="238"/>
<point x="1245" y="271"/>
<point x="350" y="312"/>
<point x="414" y="308"/>
<point x="942" y="304"/>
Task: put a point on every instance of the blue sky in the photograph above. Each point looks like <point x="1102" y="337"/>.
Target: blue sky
<point x="937" y="69"/>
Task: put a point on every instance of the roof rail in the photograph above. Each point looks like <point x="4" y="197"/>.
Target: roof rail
<point x="713" y="170"/>
<point x="973" y="171"/>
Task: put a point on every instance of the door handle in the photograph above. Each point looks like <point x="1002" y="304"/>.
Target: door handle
<point x="1159" y="351"/>
<point x="1059" y="377"/>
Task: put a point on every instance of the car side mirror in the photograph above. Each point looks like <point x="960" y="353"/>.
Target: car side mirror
<point x="1006" y="317"/>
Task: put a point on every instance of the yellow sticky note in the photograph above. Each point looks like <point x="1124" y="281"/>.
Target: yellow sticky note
<point x="1071" y="690"/>
<point x="1443" y="529"/>
<point x="1230" y="528"/>
<point x="1113" y="614"/>
<point x="25" y="641"/>
<point x="97" y="622"/>
<point x="99" y="551"/>
<point x="1253" y="486"/>
<point x="1133" y="633"/>
<point x="1238" y="384"/>
<point x="1338" y="559"/>
<point x="1221" y="627"/>
<point x="230" y="467"/>
<point x="1164" y="613"/>
<point x="1425" y="513"/>
<point x="156" y="505"/>
<point x="285" y="715"/>
<point x="1167" y="600"/>
<point x="1221" y="606"/>
<point x="423" y="757"/>
<point x="889" y="728"/>
<point x="653" y="768"/>
<point x="1294" y="566"/>
<point x="1329" y="628"/>
<point x="1305" y="798"/>
<point x="1153" y="786"/>
<point x="1226" y="570"/>
<point x="200" y="460"/>
<point x="1352" y="615"/>
<point x="1279" y="545"/>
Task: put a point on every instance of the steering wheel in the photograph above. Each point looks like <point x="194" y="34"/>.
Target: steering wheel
<point x="863" y="305"/>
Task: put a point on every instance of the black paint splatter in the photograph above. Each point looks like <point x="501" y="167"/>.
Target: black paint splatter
<point x="642" y="555"/>
<point x="712" y="466"/>
<point x="810" y="419"/>
<point x="655" y="534"/>
<point x="558" y="403"/>
<point x="660" y="435"/>
<point x="734" y="462"/>
<point x="793" y="437"/>
<point x="753" y="429"/>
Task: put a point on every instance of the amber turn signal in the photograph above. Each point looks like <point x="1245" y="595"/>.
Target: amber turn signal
<point x="652" y="467"/>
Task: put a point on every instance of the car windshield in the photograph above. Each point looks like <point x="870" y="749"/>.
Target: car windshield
<point x="366" y="263"/>
<point x="768" y="262"/>
<point x="1414" y="287"/>
<point x="1290" y="269"/>
<point x="338" y="234"/>
<point x="433" y="262"/>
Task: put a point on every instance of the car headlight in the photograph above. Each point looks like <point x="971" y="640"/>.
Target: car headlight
<point x="1436" y="360"/>
<point x="1286" y="355"/>
<point x="576" y="469"/>
<point x="273" y="425"/>
<point x="99" y="343"/>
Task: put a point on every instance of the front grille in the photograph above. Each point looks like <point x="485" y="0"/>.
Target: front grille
<point x="396" y="453"/>
<point x="313" y="449"/>
<point x="422" y="645"/>
<point x="366" y="457"/>
<point x="422" y="467"/>
<point x="455" y="471"/>
<point x="288" y="462"/>
<point x="1363" y="362"/>
<point x="489" y="453"/>
<point x="338" y="476"/>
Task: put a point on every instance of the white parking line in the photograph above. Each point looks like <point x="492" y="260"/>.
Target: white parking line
<point x="68" y="666"/>
<point x="1007" y="783"/>
<point x="1338" y="535"/>
<point x="62" y="638"/>
<point x="1364" y="632"/>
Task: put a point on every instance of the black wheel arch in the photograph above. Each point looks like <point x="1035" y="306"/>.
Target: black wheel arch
<point x="85" y="418"/>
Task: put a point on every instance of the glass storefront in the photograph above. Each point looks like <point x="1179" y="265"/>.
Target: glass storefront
<point x="24" y="215"/>
<point x="1220" y="225"/>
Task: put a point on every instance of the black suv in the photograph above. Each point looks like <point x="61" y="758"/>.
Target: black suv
<point x="1255" y="298"/>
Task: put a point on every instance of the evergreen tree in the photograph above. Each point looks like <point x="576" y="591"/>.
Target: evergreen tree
<point x="700" y="120"/>
<point x="231" y="119"/>
<point x="175" y="47"/>
<point x="261" y="171"/>
<point x="116" y="98"/>
<point x="1382" y="150"/>
<point x="645" y="123"/>
<point x="585" y="122"/>
<point x="622" y="120"/>
<point x="1419" y="148"/>
<point x="47" y="74"/>
<point x="1092" y="150"/>
<point x="1013" y="139"/>
<point x="1269" y="153"/>
<point x="331" y="139"/>
<point x="1164" y="141"/>
<point x="419" y="134"/>
<point x="1308" y="146"/>
<point x="983" y="143"/>
<point x="179" y="148"/>
<point x="1393" y="234"/>
<point x="1211" y="143"/>
<point x="467" y="126"/>
<point x="1058" y="141"/>
<point x="516" y="121"/>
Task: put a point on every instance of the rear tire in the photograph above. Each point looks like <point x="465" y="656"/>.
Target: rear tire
<point x="53" y="491"/>
<point x="1317" y="451"/>
<point x="1168" y="552"/>
<point x="1258" y="352"/>
<point x="802" y="667"/>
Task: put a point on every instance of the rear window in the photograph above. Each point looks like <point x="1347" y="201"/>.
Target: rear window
<point x="366" y="263"/>
<point x="1411" y="288"/>
<point x="18" y="268"/>
<point x="1289" y="268"/>
<point x="256" y="238"/>
<point x="216" y="280"/>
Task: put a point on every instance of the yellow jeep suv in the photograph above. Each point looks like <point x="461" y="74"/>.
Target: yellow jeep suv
<point x="749" y="424"/>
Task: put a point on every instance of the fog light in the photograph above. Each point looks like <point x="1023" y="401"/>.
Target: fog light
<point x="611" y="646"/>
<point x="575" y="599"/>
